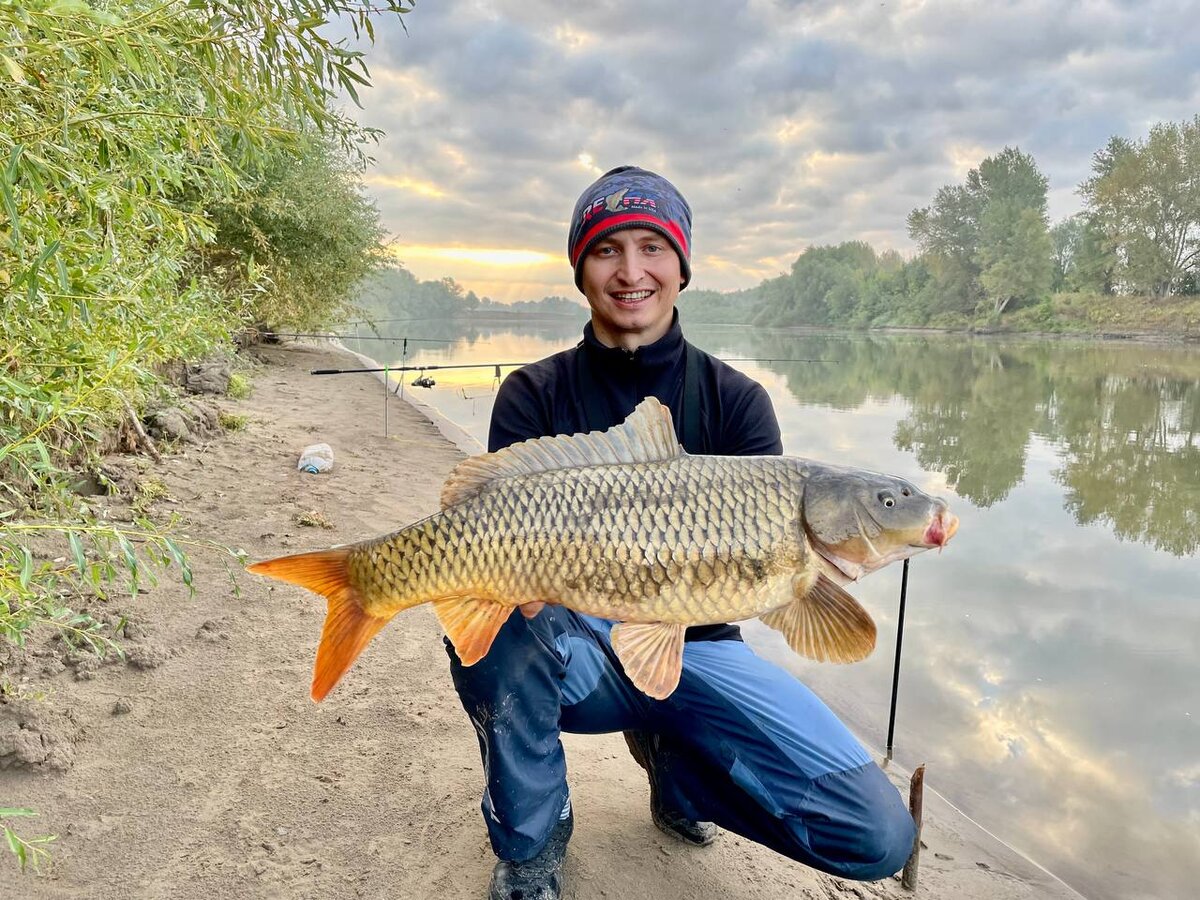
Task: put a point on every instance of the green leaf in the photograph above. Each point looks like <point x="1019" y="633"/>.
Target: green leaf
<point x="48" y="252"/>
<point x="14" y="159"/>
<point x="185" y="571"/>
<point x="68" y="8"/>
<point x="15" y="72"/>
<point x="43" y="455"/>
<point x="130" y="559"/>
<point x="12" y="812"/>
<point x="77" y="552"/>
<point x="10" y="208"/>
<point x="26" y="575"/>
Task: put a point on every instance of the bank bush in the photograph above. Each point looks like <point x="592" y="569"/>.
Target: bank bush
<point x="134" y="135"/>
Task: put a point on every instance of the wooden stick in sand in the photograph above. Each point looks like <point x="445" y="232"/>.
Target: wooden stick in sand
<point x="143" y="438"/>
<point x="908" y="878"/>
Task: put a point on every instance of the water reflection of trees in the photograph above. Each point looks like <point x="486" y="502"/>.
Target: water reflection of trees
<point x="1135" y="463"/>
<point x="444" y="335"/>
<point x="1125" y="419"/>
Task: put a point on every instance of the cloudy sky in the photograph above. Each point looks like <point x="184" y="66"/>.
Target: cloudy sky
<point x="785" y="123"/>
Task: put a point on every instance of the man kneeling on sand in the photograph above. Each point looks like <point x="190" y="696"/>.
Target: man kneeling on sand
<point x="741" y="744"/>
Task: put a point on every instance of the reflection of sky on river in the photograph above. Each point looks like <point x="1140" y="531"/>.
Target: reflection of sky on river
<point x="1050" y="669"/>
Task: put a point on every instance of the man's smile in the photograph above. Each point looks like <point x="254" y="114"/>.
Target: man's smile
<point x="630" y="297"/>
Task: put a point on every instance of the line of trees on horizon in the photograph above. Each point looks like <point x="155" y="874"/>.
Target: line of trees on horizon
<point x="986" y="247"/>
<point x="395" y="292"/>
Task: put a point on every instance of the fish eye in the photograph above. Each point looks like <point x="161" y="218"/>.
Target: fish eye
<point x="887" y="499"/>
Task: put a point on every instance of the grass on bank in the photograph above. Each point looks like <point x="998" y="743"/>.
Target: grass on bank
<point x="1081" y="314"/>
<point x="1104" y="314"/>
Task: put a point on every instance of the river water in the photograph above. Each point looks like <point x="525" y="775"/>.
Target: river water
<point x="1051" y="667"/>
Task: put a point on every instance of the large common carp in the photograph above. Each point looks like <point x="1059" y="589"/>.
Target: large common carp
<point x="625" y="525"/>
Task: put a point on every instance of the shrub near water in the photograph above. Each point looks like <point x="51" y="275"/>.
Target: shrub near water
<point x="169" y="172"/>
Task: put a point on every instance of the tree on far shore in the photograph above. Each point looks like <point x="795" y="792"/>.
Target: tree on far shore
<point x="1145" y="198"/>
<point x="1081" y="259"/>
<point x="987" y="240"/>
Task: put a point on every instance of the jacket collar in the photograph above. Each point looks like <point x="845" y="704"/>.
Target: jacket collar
<point x="663" y="353"/>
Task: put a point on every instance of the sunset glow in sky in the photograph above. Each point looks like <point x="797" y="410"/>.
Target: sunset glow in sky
<point x="785" y="123"/>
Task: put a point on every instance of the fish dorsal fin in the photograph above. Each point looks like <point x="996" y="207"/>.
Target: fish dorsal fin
<point x="648" y="435"/>
<point x="825" y="623"/>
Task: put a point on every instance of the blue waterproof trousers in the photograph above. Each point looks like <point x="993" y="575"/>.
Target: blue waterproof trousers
<point x="740" y="743"/>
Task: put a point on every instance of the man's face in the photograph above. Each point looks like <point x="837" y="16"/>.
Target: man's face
<point x="631" y="280"/>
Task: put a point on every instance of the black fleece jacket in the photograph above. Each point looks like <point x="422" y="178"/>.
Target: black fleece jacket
<point x="544" y="398"/>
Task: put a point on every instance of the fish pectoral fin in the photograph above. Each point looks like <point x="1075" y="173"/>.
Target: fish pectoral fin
<point x="651" y="654"/>
<point x="471" y="624"/>
<point x="825" y="624"/>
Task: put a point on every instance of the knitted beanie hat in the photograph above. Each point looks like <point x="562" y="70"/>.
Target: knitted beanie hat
<point x="629" y="197"/>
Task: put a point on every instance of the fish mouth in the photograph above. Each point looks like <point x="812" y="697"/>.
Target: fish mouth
<point x="942" y="526"/>
<point x="940" y="530"/>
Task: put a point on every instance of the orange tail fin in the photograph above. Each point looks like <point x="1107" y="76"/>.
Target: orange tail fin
<point x="348" y="628"/>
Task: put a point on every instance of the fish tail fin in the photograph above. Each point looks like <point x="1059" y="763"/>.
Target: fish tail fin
<point x="348" y="627"/>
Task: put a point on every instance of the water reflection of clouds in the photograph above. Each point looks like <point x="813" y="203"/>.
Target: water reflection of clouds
<point x="1028" y="685"/>
<point x="1051" y="668"/>
<point x="984" y="704"/>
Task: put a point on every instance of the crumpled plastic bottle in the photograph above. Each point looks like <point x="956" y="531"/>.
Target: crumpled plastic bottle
<point x="316" y="458"/>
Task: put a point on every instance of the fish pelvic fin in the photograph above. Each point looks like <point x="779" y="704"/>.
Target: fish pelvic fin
<point x="824" y="623"/>
<point x="348" y="627"/>
<point x="651" y="655"/>
<point x="471" y="624"/>
<point x="646" y="435"/>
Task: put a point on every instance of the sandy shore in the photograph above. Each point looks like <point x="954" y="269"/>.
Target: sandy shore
<point x="223" y="780"/>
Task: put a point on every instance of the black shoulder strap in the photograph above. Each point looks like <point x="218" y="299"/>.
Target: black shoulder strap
<point x="693" y="363"/>
<point x="594" y="413"/>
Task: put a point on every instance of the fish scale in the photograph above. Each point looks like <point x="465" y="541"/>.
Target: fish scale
<point x="606" y="541"/>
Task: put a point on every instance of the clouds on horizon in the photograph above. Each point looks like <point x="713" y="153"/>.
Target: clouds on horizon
<point x="784" y="123"/>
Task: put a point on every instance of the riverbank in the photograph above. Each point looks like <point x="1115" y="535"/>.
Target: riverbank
<point x="1099" y="317"/>
<point x="201" y="769"/>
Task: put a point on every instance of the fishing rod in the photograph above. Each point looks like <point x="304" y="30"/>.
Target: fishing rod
<point x="425" y="381"/>
<point x="772" y="359"/>
<point x="566" y="316"/>
<point x="506" y="365"/>
<point x="397" y="319"/>
<point x="503" y="365"/>
<point x="365" y="337"/>
<point x="891" y="733"/>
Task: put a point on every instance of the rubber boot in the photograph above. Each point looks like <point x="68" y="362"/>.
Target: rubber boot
<point x="539" y="878"/>
<point x="699" y="834"/>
